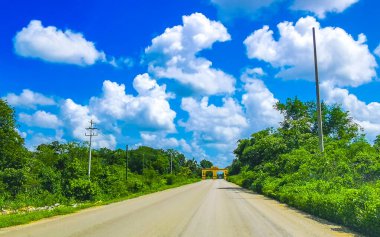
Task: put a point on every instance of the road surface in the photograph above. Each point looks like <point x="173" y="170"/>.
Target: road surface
<point x="207" y="208"/>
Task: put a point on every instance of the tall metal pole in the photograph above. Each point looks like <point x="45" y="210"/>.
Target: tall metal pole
<point x="319" y="111"/>
<point x="91" y="134"/>
<point x="126" y="163"/>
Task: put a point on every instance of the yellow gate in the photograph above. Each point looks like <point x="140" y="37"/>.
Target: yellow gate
<point x="214" y="171"/>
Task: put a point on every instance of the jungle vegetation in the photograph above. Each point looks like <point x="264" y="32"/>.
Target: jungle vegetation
<point x="57" y="172"/>
<point x="341" y="185"/>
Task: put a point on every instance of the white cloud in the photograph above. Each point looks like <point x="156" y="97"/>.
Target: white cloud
<point x="123" y="62"/>
<point x="54" y="45"/>
<point x="259" y="102"/>
<point x="218" y="127"/>
<point x="343" y="60"/>
<point x="77" y="117"/>
<point x="36" y="139"/>
<point x="149" y="109"/>
<point x="28" y="99"/>
<point x="366" y="115"/>
<point x="228" y="9"/>
<point x="22" y="134"/>
<point x="173" y="55"/>
<point x="40" y="119"/>
<point x="377" y="50"/>
<point x="321" y="7"/>
<point x="159" y="140"/>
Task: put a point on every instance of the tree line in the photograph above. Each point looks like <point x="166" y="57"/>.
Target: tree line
<point x="57" y="172"/>
<point x="341" y="185"/>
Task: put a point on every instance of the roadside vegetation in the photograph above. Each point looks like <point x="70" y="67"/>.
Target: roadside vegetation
<point x="341" y="185"/>
<point x="53" y="180"/>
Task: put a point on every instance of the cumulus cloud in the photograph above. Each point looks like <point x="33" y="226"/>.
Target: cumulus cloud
<point x="343" y="60"/>
<point x="36" y="139"/>
<point x="321" y="7"/>
<point x="228" y="9"/>
<point x="366" y="115"/>
<point x="259" y="102"/>
<point x="251" y="9"/>
<point x="377" y="50"/>
<point x="40" y="119"/>
<point x="150" y="109"/>
<point x="76" y="118"/>
<point x="173" y="55"/>
<point x="218" y="127"/>
<point x="28" y="99"/>
<point x="54" y="45"/>
<point x="160" y="140"/>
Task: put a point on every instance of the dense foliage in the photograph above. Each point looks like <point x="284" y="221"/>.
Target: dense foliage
<point x="341" y="185"/>
<point x="57" y="173"/>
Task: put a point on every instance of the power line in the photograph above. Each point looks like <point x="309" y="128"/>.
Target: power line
<point x="91" y="133"/>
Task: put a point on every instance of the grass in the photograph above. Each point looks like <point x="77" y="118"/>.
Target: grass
<point x="24" y="218"/>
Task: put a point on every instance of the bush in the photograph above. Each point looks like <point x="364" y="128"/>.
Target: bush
<point x="170" y="179"/>
<point x="13" y="180"/>
<point x="83" y="190"/>
<point x="135" y="185"/>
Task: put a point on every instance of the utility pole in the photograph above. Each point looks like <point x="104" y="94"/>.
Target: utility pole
<point x="319" y="111"/>
<point x="126" y="163"/>
<point x="91" y="133"/>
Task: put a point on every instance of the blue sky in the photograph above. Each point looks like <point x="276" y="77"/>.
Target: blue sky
<point x="191" y="75"/>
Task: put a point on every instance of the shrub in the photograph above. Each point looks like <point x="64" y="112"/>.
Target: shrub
<point x="170" y="179"/>
<point x="83" y="190"/>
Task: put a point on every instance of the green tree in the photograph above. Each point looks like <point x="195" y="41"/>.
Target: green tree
<point x="376" y="143"/>
<point x="337" y="123"/>
<point x="296" y="127"/>
<point x="12" y="151"/>
<point x="205" y="164"/>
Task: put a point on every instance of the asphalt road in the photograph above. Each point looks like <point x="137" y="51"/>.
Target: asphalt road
<point x="207" y="208"/>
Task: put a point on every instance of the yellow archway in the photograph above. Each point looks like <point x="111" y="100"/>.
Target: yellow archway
<point x="214" y="171"/>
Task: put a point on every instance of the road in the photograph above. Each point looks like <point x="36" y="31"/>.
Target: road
<point x="207" y="208"/>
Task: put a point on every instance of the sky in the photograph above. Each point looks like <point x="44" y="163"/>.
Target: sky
<point x="192" y="75"/>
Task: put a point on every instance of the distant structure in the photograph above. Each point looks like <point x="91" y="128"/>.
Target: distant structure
<point x="214" y="171"/>
<point x="91" y="133"/>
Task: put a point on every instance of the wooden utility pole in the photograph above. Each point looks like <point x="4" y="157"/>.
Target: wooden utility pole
<point x="319" y="110"/>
